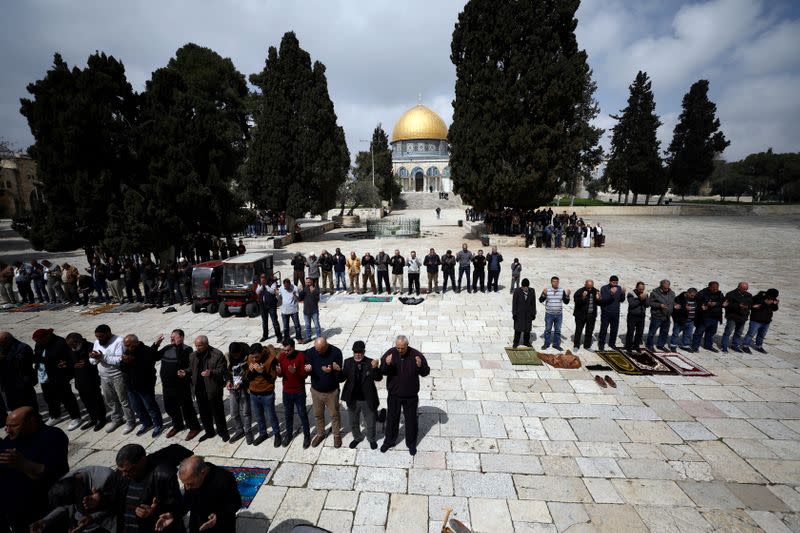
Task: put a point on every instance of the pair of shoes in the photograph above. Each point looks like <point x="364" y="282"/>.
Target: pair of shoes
<point x="278" y="441"/>
<point x="545" y="347"/>
<point x="337" y="441"/>
<point x="261" y="438"/>
<point x="144" y="429"/>
<point x="746" y="349"/>
<point x="685" y="349"/>
<point x="74" y="424"/>
<point x="192" y="434"/>
<point x="711" y="349"/>
<point x="206" y="436"/>
<point x="306" y="440"/>
<point x="759" y="349"/>
<point x="236" y="436"/>
<point x="158" y="430"/>
<point x="604" y="382"/>
<point x="129" y="428"/>
<point x="89" y="424"/>
<point x="287" y="439"/>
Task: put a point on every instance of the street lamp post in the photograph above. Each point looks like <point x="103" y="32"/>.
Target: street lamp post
<point x="372" y="155"/>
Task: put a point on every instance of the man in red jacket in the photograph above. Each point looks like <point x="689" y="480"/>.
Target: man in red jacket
<point x="291" y="366"/>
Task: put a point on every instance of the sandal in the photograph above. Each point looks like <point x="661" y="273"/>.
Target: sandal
<point x="610" y="381"/>
<point x="599" y="381"/>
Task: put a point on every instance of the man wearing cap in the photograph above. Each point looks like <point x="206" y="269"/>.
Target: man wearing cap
<point x="292" y="367"/>
<point x="107" y="354"/>
<point x="611" y="296"/>
<point x="359" y="375"/>
<point x="267" y="292"/>
<point x="52" y="356"/>
<point x="17" y="375"/>
<point x="403" y="366"/>
<point x="765" y="303"/>
<point x="324" y="362"/>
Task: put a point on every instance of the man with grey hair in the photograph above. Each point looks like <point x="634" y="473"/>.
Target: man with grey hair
<point x="207" y="370"/>
<point x="324" y="362"/>
<point x="211" y="498"/>
<point x="662" y="303"/>
<point x="138" y="365"/>
<point x="403" y="366"/>
<point x="107" y="354"/>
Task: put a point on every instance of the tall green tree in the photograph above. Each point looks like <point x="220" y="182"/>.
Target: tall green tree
<point x="520" y="81"/>
<point x="82" y="122"/>
<point x="634" y="163"/>
<point x="298" y="157"/>
<point x="585" y="139"/>
<point x="192" y="142"/>
<point x="386" y="182"/>
<point x="696" y="140"/>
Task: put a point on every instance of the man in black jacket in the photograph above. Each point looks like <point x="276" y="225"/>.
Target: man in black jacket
<point x="177" y="391"/>
<point x="403" y="366"/>
<point x="737" y="308"/>
<point x="212" y="498"/>
<point x="611" y="296"/>
<point x="139" y="367"/>
<point x="17" y="375"/>
<point x="683" y="316"/>
<point x="359" y="374"/>
<point x="448" y="270"/>
<point x="523" y="311"/>
<point x="87" y="381"/>
<point x="326" y="268"/>
<point x="765" y="303"/>
<point x="638" y="302"/>
<point x="587" y="299"/>
<point x="52" y="353"/>
<point x="382" y="267"/>
<point x="711" y="303"/>
<point x="397" y="262"/>
<point x="150" y="488"/>
<point x="431" y="264"/>
<point x="479" y="274"/>
<point x="267" y="292"/>
<point x="207" y="370"/>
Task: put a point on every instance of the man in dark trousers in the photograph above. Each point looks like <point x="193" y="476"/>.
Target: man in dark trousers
<point x="323" y="363"/>
<point x="403" y="366"/>
<point x="87" y="381"/>
<point x="493" y="261"/>
<point x="765" y="303"/>
<point x="611" y="296"/>
<point x="212" y="498"/>
<point x="479" y="274"/>
<point x="150" y="487"/>
<point x="711" y="302"/>
<point x="523" y="311"/>
<point x="587" y="299"/>
<point x="359" y="374"/>
<point x="52" y="355"/>
<point x="139" y="368"/>
<point x="207" y="370"/>
<point x="177" y="391"/>
<point x="32" y="458"/>
<point x="267" y="292"/>
<point x="17" y="375"/>
<point x="382" y="268"/>
<point x="737" y="309"/>
<point x="448" y="271"/>
<point x="638" y="302"/>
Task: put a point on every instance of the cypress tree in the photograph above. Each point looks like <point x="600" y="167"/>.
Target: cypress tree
<point x="635" y="164"/>
<point x="298" y="156"/>
<point x="388" y="186"/>
<point x="520" y="79"/>
<point x="696" y="140"/>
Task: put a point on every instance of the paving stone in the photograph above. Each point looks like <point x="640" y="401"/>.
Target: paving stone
<point x="560" y="447"/>
<point x="788" y="495"/>
<point x="492" y="426"/>
<point x="612" y="518"/>
<point x="599" y="467"/>
<point x="757" y="497"/>
<point x="648" y="469"/>
<point x="601" y="449"/>
<point x="490" y="485"/>
<point x="593" y="429"/>
<point x="336" y="521"/>
<point x="489" y="515"/>
<point x="373" y="479"/>
<point x="669" y="519"/>
<point x="732" y="428"/>
<point x="692" y="431"/>
<point x="341" y="500"/>
<point x="651" y="492"/>
<point x="551" y="489"/>
<point x="430" y="460"/>
<point x="729" y="520"/>
<point x="725" y="464"/>
<point x="372" y="509"/>
<point x="558" y="429"/>
<point x="714" y="495"/>
<point x="267" y="500"/>
<point x="332" y="477"/>
<point x="567" y="515"/>
<point x="438" y="504"/>
<point x="602" y="490"/>
<point x="515" y="464"/>
<point x="769" y="522"/>
<point x="407" y="513"/>
<point x="291" y="474"/>
<point x="529" y="511"/>
<point x="560" y="466"/>
<point x="300" y="505"/>
<point x="648" y="431"/>
<point x="429" y="481"/>
<point x="463" y="461"/>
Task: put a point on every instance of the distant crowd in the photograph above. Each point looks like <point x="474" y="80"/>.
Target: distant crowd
<point x="541" y="227"/>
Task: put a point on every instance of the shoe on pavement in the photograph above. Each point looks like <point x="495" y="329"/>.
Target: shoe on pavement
<point x="611" y="382"/>
<point x="157" y="431"/>
<point x="337" y="441"/>
<point x="413" y="451"/>
<point x="354" y="443"/>
<point x="236" y="436"/>
<point x="206" y="436"/>
<point x="711" y="349"/>
<point x="317" y="440"/>
<point x="287" y="439"/>
<point x="736" y="349"/>
<point x="373" y="444"/>
<point x="192" y="434"/>
<point x="88" y="424"/>
<point x="172" y="432"/>
<point x="745" y="349"/>
<point x="662" y="348"/>
<point x="278" y="441"/>
<point x="601" y="382"/>
<point x="258" y="440"/>
<point x="144" y="429"/>
<point x="128" y="428"/>
<point x="74" y="424"/>
<point x="225" y="437"/>
<point x="99" y="426"/>
<point x="759" y="349"/>
<point x="724" y="350"/>
<point x="306" y="441"/>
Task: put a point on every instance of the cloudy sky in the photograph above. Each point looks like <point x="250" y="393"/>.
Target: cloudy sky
<point x="380" y="55"/>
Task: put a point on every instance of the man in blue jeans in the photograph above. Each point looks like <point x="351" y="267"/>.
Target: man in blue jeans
<point x="289" y="307"/>
<point x="292" y="368"/>
<point x="737" y="308"/>
<point x="554" y="299"/>
<point x="139" y="367"/>
<point x="339" y="266"/>
<point x="711" y="302"/>
<point x="310" y="298"/>
<point x="262" y="370"/>
<point x="683" y="317"/>
<point x="662" y="303"/>
<point x="765" y="303"/>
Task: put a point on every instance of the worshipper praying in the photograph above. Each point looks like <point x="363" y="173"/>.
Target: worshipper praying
<point x="323" y="363"/>
<point x="177" y="390"/>
<point x="359" y="375"/>
<point x="523" y="312"/>
<point x="207" y="371"/>
<point x="54" y="366"/>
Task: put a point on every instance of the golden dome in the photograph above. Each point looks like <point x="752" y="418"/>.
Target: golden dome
<point x="419" y="122"/>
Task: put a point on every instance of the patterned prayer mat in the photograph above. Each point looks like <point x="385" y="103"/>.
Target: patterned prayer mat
<point x="248" y="481"/>
<point x="523" y="356"/>
<point x="376" y="298"/>
<point x="681" y="364"/>
<point x="619" y="362"/>
<point x="24" y="308"/>
<point x="648" y="364"/>
<point x="99" y="310"/>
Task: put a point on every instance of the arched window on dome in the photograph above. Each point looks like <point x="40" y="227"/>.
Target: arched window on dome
<point x="447" y="171"/>
<point x="432" y="171"/>
<point x="403" y="172"/>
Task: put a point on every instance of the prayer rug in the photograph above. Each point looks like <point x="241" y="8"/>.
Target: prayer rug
<point x="248" y="481"/>
<point x="682" y="365"/>
<point x="99" y="310"/>
<point x="523" y="356"/>
<point x="137" y="308"/>
<point x="376" y="298"/>
<point x="619" y="362"/>
<point x="648" y="364"/>
<point x="27" y="308"/>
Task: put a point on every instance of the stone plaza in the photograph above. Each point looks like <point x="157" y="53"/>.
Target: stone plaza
<point x="530" y="448"/>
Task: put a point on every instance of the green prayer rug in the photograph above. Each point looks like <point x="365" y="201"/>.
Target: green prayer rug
<point x="523" y="356"/>
<point x="376" y="298"/>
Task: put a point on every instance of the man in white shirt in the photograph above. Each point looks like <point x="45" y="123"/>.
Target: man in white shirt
<point x="289" y="308"/>
<point x="414" y="265"/>
<point x="107" y="354"/>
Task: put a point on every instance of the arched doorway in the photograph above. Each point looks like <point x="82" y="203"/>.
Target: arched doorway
<point x="419" y="182"/>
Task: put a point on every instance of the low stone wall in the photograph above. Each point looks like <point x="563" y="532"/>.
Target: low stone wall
<point x="506" y="240"/>
<point x="364" y="213"/>
<point x="680" y="210"/>
<point x="307" y="232"/>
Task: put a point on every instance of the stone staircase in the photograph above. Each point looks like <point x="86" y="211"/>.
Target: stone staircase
<point x="427" y="201"/>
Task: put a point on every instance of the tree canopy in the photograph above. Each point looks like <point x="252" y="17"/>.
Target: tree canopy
<point x="520" y="83"/>
<point x="297" y="157"/>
